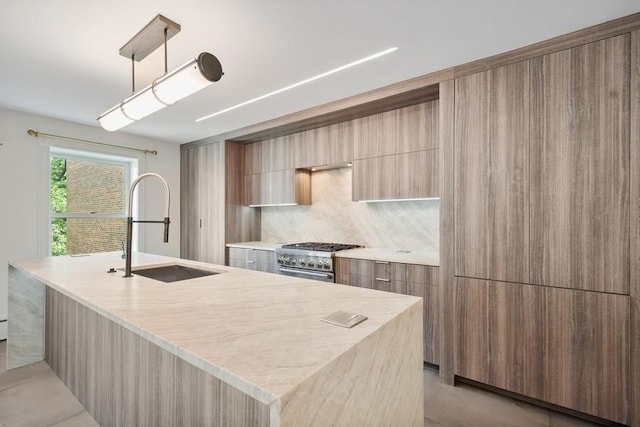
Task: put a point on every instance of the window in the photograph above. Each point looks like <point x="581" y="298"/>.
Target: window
<point x="88" y="201"/>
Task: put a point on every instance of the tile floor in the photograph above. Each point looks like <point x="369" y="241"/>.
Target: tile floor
<point x="33" y="396"/>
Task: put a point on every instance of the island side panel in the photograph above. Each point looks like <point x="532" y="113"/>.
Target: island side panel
<point x="378" y="382"/>
<point x="122" y="379"/>
<point x="25" y="339"/>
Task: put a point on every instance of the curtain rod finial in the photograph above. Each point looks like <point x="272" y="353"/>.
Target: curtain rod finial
<point x="32" y="132"/>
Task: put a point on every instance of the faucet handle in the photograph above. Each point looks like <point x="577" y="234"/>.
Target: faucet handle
<point x="124" y="251"/>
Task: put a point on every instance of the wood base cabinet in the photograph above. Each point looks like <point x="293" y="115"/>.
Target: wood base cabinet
<point x="253" y="259"/>
<point x="562" y="346"/>
<point x="409" y="279"/>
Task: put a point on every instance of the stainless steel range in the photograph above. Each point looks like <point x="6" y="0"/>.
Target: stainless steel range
<point x="310" y="260"/>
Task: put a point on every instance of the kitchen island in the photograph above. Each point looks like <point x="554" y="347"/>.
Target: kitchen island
<point x="236" y="348"/>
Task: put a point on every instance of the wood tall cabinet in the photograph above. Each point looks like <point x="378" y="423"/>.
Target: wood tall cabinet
<point x="211" y="203"/>
<point x="202" y="208"/>
<point x="492" y="188"/>
<point x="580" y="167"/>
<point x="541" y="197"/>
<point x="396" y="154"/>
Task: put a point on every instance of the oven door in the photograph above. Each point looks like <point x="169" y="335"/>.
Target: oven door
<point x="323" y="276"/>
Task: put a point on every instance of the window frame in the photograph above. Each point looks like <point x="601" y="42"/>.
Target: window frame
<point x="131" y="169"/>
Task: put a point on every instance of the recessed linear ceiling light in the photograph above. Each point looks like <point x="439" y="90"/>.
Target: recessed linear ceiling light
<point x="309" y="80"/>
<point x="166" y="90"/>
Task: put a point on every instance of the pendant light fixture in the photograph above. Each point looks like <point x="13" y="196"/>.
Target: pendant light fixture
<point x="168" y="89"/>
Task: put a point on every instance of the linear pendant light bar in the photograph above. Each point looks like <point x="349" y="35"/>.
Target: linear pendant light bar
<point x="166" y="90"/>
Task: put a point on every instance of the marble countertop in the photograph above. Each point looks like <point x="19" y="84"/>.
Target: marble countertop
<point x="257" y="331"/>
<point x="268" y="246"/>
<point x="393" y="255"/>
<point x="376" y="254"/>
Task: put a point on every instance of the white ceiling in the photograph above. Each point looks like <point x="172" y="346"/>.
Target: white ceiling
<point x="60" y="58"/>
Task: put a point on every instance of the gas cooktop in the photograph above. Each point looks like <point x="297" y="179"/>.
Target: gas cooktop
<point x="320" y="246"/>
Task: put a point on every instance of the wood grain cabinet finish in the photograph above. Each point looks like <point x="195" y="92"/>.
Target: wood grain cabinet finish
<point x="376" y="178"/>
<point x="563" y="346"/>
<point x="409" y="279"/>
<point x="580" y="167"/>
<point x="253" y="259"/>
<point x="408" y="129"/>
<point x="422" y="281"/>
<point x="389" y="277"/>
<point x="269" y="155"/>
<point x="323" y="146"/>
<point x="492" y="180"/>
<point x="396" y="154"/>
<point x="289" y="186"/>
<point x="397" y="176"/>
<point x="202" y="203"/>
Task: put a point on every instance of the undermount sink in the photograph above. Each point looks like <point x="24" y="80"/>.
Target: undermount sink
<point x="173" y="273"/>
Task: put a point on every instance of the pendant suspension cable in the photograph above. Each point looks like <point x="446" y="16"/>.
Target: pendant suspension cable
<point x="133" y="74"/>
<point x="85" y="141"/>
<point x="165" y="51"/>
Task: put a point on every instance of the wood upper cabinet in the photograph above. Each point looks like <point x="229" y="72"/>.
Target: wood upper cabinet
<point x="563" y="346"/>
<point x="408" y="129"/>
<point x="326" y="145"/>
<point x="396" y="154"/>
<point x="398" y="176"/>
<point x="491" y="182"/>
<point x="202" y="186"/>
<point x="289" y="186"/>
<point x="580" y="167"/>
<point x="269" y="155"/>
<point x="376" y="178"/>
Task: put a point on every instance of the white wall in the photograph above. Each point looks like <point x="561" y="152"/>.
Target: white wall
<point x="23" y="170"/>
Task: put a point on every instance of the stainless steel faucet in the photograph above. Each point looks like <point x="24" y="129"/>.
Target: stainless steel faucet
<point x="130" y="220"/>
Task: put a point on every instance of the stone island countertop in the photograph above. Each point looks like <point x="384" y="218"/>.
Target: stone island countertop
<point x="260" y="333"/>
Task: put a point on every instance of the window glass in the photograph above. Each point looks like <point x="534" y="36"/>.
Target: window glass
<point x="88" y="204"/>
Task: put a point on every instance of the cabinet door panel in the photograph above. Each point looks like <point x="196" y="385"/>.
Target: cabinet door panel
<point x="375" y="135"/>
<point x="418" y="174"/>
<point x="422" y="274"/>
<point x="417" y="128"/>
<point x="580" y="167"/>
<point x="252" y="160"/>
<point x="430" y="297"/>
<point x="252" y="194"/>
<point x="341" y="138"/>
<point x="567" y="347"/>
<point x="189" y="211"/>
<point x="375" y="178"/>
<point x="492" y="174"/>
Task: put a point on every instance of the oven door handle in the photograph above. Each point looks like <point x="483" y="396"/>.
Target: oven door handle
<point x="308" y="273"/>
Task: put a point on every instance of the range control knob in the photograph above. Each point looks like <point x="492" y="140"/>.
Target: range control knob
<point x="311" y="263"/>
<point x="303" y="261"/>
<point x="326" y="265"/>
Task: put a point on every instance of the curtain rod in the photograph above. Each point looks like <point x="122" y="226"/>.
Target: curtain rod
<point x="84" y="141"/>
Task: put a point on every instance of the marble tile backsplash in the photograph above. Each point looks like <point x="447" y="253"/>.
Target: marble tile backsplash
<point x="334" y="217"/>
